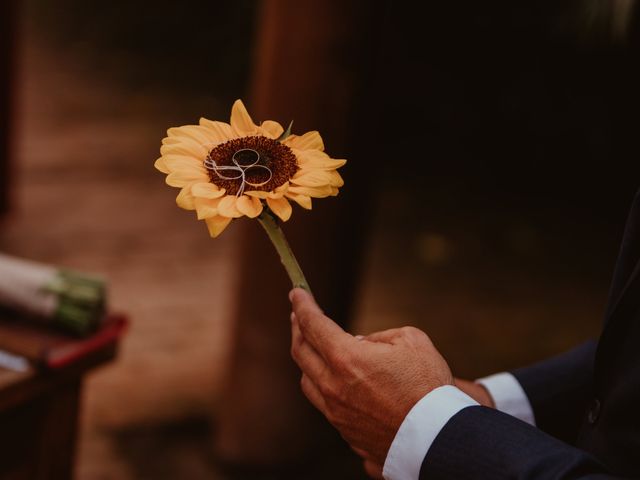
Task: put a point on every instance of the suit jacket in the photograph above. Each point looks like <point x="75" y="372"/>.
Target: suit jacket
<point x="586" y="404"/>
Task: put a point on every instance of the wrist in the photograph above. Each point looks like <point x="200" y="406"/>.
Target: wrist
<point x="476" y="391"/>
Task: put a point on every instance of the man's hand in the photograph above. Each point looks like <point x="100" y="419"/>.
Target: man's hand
<point x="365" y="386"/>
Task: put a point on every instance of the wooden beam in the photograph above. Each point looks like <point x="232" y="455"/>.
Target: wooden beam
<point x="308" y="68"/>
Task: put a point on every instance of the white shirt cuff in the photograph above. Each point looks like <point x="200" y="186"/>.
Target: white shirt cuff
<point x="420" y="428"/>
<point x="508" y="396"/>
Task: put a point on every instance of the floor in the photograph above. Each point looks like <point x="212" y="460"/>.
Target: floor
<point x="486" y="287"/>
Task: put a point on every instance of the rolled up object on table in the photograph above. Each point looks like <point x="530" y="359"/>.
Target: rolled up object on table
<point x="72" y="301"/>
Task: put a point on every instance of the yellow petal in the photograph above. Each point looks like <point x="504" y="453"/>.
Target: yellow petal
<point x="221" y="131"/>
<point x="282" y="188"/>
<point x="271" y="129"/>
<point x="185" y="147"/>
<point x="317" y="159"/>
<point x="216" y="225"/>
<point x="171" y="140"/>
<point x="262" y="194"/>
<point x="336" y="179"/>
<point x="185" y="177"/>
<point x="197" y="133"/>
<point x="249" y="206"/>
<point x="161" y="166"/>
<point x="185" y="199"/>
<point x="303" y="200"/>
<point x="281" y="207"/>
<point x="185" y="134"/>
<point x="206" y="207"/>
<point x="257" y="193"/>
<point x="182" y="162"/>
<point x="206" y="190"/>
<point x="315" y="192"/>
<point x="309" y="141"/>
<point x="312" y="178"/>
<point x="241" y="122"/>
<point x="227" y="207"/>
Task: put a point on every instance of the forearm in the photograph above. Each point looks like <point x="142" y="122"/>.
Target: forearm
<point x="451" y="417"/>
<point x="559" y="389"/>
<point x="550" y="394"/>
<point x="504" y="448"/>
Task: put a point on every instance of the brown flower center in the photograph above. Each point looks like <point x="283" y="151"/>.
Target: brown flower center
<point x="250" y="163"/>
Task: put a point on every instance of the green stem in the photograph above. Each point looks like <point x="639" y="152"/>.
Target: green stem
<point x="288" y="259"/>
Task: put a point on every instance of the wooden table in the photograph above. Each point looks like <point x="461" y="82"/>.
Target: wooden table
<point x="39" y="411"/>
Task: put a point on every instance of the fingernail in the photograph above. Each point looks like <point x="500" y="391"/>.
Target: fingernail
<point x="359" y="337"/>
<point x="291" y="295"/>
<point x="293" y="317"/>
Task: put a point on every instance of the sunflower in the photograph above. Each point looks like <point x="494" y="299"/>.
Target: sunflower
<point x="236" y="169"/>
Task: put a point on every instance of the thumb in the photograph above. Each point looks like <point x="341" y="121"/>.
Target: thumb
<point x="322" y="333"/>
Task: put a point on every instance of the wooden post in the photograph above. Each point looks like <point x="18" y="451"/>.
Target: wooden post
<point x="307" y="69"/>
<point x="7" y="23"/>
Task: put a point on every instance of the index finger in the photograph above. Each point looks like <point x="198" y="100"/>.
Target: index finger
<point x="322" y="333"/>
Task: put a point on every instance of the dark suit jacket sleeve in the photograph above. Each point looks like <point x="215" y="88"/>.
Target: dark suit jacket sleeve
<point x="559" y="389"/>
<point x="482" y="443"/>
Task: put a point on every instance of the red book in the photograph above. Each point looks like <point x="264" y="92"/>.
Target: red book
<point x="47" y="348"/>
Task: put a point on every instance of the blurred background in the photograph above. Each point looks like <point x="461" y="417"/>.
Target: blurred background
<point x="492" y="154"/>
